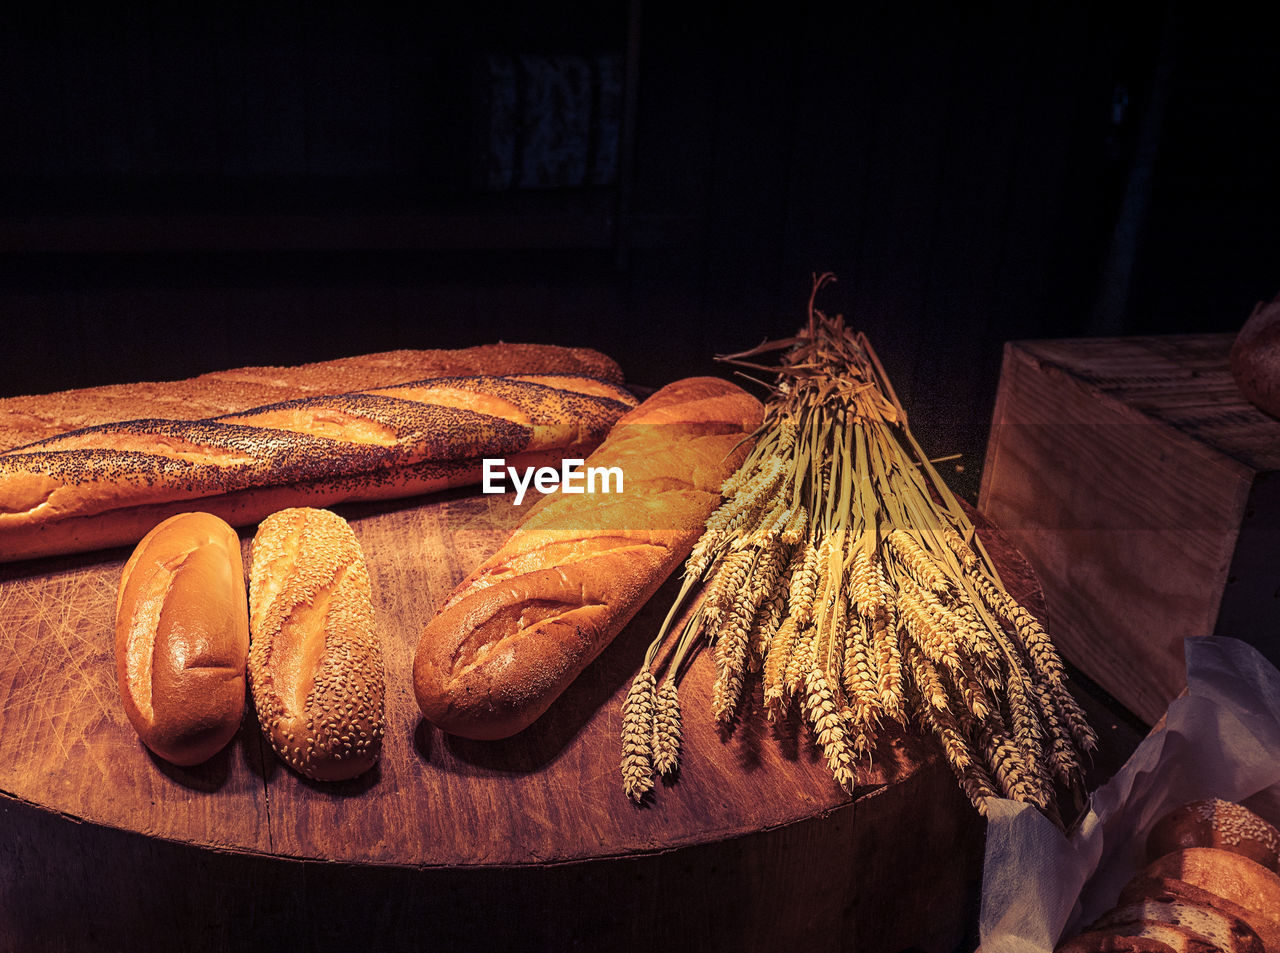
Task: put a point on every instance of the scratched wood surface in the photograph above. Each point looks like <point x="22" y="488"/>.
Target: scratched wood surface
<point x="550" y="794"/>
<point x="757" y="798"/>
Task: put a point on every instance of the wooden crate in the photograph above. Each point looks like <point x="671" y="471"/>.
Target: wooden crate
<point x="1143" y="488"/>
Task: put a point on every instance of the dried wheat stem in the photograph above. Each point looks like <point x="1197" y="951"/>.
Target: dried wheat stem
<point x="927" y="681"/>
<point x="1024" y="714"/>
<point x="1044" y="657"/>
<point x="978" y="785"/>
<point x="637" y="737"/>
<point x="971" y="692"/>
<point x="1018" y="780"/>
<point x="803" y="656"/>
<point x="955" y="745"/>
<point x="1074" y="716"/>
<point x="796" y="526"/>
<point x="917" y="563"/>
<point x="925" y="627"/>
<point x="828" y="728"/>
<point x="859" y="681"/>
<point x="764" y="627"/>
<point x="976" y="638"/>
<point x="1063" y="760"/>
<point x="804" y="585"/>
<point x="776" y="665"/>
<point x="963" y="551"/>
<point x="666" y="728"/>
<point x="729" y="580"/>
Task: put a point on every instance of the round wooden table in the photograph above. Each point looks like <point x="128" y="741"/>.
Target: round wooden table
<point x="527" y="843"/>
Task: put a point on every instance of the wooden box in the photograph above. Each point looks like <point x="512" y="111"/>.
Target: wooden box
<point x="1142" y="487"/>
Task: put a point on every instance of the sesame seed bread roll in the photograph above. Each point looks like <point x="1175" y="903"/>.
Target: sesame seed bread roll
<point x="107" y="485"/>
<point x="182" y="638"/>
<point x="315" y="663"/>
<point x="29" y="418"/>
<point x="516" y="632"/>
<point x="1213" y="822"/>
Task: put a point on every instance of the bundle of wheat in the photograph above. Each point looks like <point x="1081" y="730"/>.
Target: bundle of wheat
<point x="842" y="571"/>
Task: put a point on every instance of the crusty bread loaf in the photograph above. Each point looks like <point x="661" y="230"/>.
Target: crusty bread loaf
<point x="1224" y="873"/>
<point x="1221" y="931"/>
<point x="182" y="638"/>
<point x="1213" y="822"/>
<point x="533" y="616"/>
<point x="1190" y="896"/>
<point x="27" y="419"/>
<point x="1143" y="887"/>
<point x="1176" y="938"/>
<point x="315" y="661"/>
<point x="107" y="485"/>
<point x="1110" y="941"/>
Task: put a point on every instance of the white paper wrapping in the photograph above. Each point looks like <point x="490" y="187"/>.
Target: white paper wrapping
<point x="1220" y="739"/>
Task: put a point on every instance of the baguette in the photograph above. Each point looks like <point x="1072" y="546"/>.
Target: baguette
<point x="182" y="638"/>
<point x="516" y="632"/>
<point x="107" y="485"/>
<point x="29" y="418"/>
<point x="315" y="663"/>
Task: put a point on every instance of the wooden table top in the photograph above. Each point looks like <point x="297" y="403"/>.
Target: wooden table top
<point x="551" y="794"/>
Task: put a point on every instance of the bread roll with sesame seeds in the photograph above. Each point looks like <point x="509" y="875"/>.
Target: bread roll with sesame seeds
<point x="515" y="633"/>
<point x="1213" y="822"/>
<point x="182" y="638"/>
<point x="107" y="485"/>
<point x="315" y="662"/>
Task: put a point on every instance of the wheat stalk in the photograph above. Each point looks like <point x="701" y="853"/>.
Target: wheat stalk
<point x="842" y="572"/>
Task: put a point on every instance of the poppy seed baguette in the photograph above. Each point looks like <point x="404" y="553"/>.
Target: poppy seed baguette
<point x="524" y="625"/>
<point x="33" y="417"/>
<point x="108" y="485"/>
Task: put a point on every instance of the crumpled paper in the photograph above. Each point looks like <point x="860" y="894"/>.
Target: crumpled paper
<point x="1220" y="739"/>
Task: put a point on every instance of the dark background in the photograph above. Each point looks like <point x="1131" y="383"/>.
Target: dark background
<point x="278" y="183"/>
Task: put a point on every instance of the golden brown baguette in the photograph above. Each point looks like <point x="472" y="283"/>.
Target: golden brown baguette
<point x="315" y="662"/>
<point x="515" y="634"/>
<point x="27" y="419"/>
<point x="182" y="638"/>
<point x="108" y="485"/>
